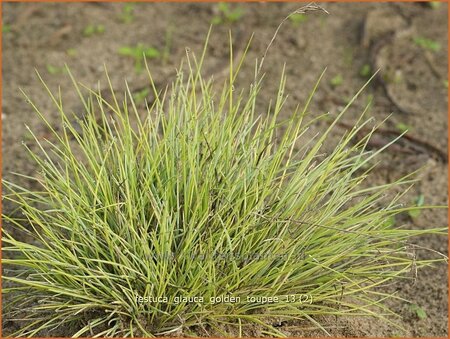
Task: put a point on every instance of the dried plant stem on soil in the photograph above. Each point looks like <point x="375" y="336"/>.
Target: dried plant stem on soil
<point x="311" y="7"/>
<point x="201" y="196"/>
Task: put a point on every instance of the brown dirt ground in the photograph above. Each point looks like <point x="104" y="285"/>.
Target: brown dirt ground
<point x="411" y="87"/>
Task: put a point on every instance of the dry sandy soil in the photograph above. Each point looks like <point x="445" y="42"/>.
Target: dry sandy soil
<point x="406" y="41"/>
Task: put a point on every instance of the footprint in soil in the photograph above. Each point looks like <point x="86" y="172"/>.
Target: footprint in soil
<point x="409" y="73"/>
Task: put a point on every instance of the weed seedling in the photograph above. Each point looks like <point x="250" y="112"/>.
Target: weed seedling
<point x="418" y="311"/>
<point x="138" y="52"/>
<point x="71" y="52"/>
<point x="434" y="4"/>
<point x="54" y="69"/>
<point x="226" y="14"/>
<point x="91" y="30"/>
<point x="419" y="202"/>
<point x="140" y="96"/>
<point x="402" y="127"/>
<point x="297" y="19"/>
<point x="365" y="71"/>
<point x="427" y="44"/>
<point x="6" y="28"/>
<point x="127" y="15"/>
<point x="337" y="80"/>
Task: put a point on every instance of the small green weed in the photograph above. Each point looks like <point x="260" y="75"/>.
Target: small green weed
<point x="72" y="52"/>
<point x="336" y="80"/>
<point x="6" y="28"/>
<point x="365" y="71"/>
<point x="434" y="4"/>
<point x="140" y="96"/>
<point x="402" y="127"/>
<point x="427" y="44"/>
<point x="93" y="29"/>
<point x="419" y="202"/>
<point x="298" y="18"/>
<point x="227" y="14"/>
<point x="138" y="52"/>
<point x="55" y="69"/>
<point x="418" y="311"/>
<point x="127" y="15"/>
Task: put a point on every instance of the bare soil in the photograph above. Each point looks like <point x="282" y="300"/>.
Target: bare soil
<point x="410" y="88"/>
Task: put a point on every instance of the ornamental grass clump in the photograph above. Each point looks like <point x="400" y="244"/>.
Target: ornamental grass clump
<point x="199" y="216"/>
